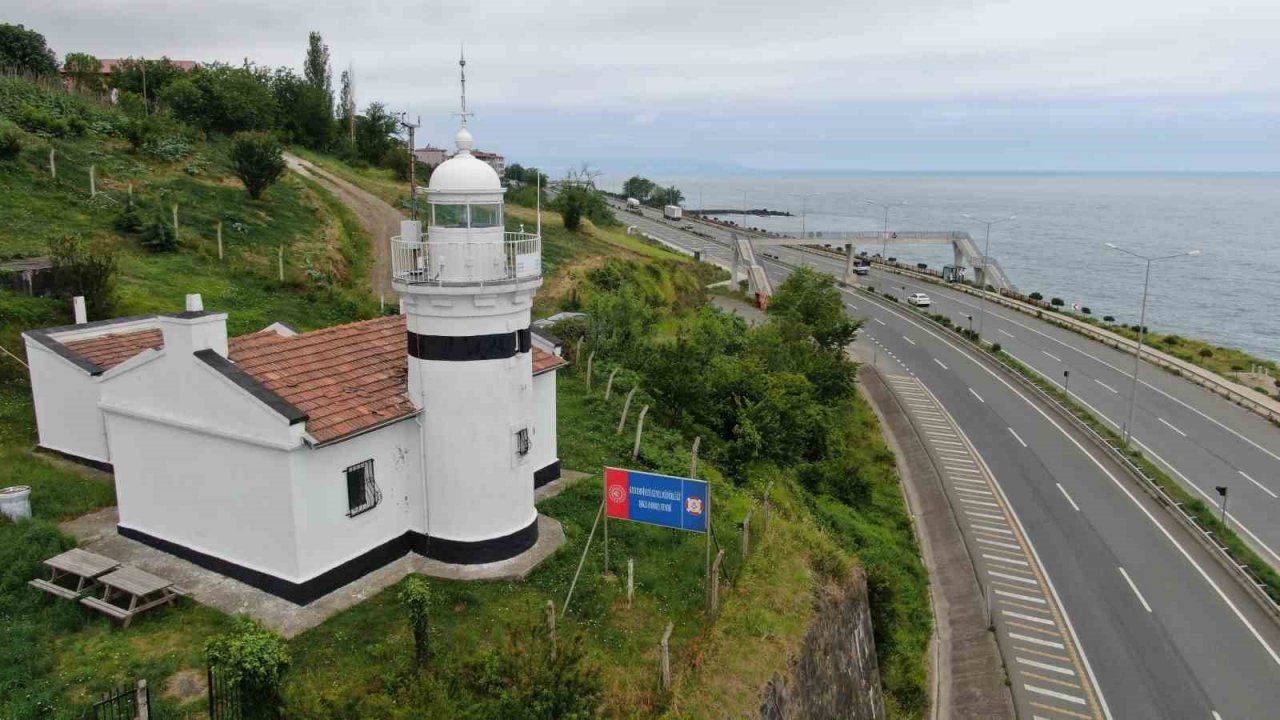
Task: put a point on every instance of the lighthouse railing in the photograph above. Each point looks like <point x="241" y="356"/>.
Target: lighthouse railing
<point x="518" y="256"/>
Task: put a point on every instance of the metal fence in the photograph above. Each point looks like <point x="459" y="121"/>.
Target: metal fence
<point x="226" y="700"/>
<point x="124" y="703"/>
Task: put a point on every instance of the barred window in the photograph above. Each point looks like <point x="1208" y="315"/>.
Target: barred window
<point x="522" y="442"/>
<point x="363" y="494"/>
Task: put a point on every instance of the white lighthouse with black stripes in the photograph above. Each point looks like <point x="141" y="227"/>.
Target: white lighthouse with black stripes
<point x="467" y="287"/>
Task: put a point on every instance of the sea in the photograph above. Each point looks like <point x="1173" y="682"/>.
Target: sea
<point x="1229" y="294"/>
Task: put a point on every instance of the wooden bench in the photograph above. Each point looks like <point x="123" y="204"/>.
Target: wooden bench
<point x="80" y="566"/>
<point x="55" y="589"/>
<point x="143" y="590"/>
<point x="107" y="608"/>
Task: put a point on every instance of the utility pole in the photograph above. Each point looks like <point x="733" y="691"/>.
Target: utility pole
<point x="413" y="161"/>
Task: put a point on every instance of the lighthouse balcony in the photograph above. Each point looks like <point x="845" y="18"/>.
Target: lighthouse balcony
<point x="516" y="257"/>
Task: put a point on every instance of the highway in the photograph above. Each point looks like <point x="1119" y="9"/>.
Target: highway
<point x="1162" y="631"/>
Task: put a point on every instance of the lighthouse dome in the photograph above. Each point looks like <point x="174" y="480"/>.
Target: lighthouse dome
<point x="464" y="172"/>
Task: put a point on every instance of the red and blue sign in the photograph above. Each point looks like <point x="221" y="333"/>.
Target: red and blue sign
<point x="674" y="502"/>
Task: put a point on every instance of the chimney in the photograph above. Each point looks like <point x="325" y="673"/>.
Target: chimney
<point x="77" y="308"/>
<point x="194" y="329"/>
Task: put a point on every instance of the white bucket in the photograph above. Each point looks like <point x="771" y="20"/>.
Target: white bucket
<point x="15" y="502"/>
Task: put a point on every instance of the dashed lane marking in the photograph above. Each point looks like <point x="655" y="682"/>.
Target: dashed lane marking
<point x="975" y="394"/>
<point x="1015" y="437"/>
<point x="1105" y="385"/>
<point x="880" y="321"/>
<point x="1004" y="332"/>
<point x="1135" y="590"/>
<point x="904" y="337"/>
<point x="944" y="367"/>
<point x="1068" y="497"/>
<point x="1261" y="487"/>
<point x="1171" y="427"/>
<point x="1052" y="356"/>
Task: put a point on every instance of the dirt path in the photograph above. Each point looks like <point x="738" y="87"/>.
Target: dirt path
<point x="380" y="220"/>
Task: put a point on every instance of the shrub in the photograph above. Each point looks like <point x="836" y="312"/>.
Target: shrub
<point x="1206" y="353"/>
<point x="257" y="161"/>
<point x="1057" y="302"/>
<point x="41" y="121"/>
<point x="258" y="658"/>
<point x="81" y="267"/>
<point x="1108" y="318"/>
<point x="130" y="218"/>
<point x="1171" y="340"/>
<point x="415" y="595"/>
<point x="995" y="347"/>
<point x="158" y="235"/>
<point x="1086" y="311"/>
<point x="10" y="145"/>
<point x="532" y="678"/>
<point x="1036" y="296"/>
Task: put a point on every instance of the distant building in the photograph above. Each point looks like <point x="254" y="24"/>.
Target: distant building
<point x="493" y="160"/>
<point x="109" y="65"/>
<point x="431" y="155"/>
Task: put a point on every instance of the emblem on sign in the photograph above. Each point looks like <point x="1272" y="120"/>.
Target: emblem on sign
<point x="693" y="505"/>
<point x="617" y="493"/>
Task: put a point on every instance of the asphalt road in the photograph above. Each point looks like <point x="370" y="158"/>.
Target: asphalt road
<point x="1166" y="632"/>
<point x="1201" y="439"/>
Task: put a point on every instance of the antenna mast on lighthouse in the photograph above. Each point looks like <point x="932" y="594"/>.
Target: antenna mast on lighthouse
<point x="462" y="67"/>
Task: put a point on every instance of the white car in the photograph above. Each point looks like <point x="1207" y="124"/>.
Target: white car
<point x="919" y="300"/>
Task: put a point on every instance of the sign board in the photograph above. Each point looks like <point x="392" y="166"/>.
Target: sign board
<point x="664" y="500"/>
<point x="528" y="264"/>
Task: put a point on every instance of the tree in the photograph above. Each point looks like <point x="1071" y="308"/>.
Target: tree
<point x="306" y="111"/>
<point x="25" y="51"/>
<point x="81" y="267"/>
<point x="316" y="68"/>
<point x="347" y="106"/>
<point x="223" y="98"/>
<point x="145" y="78"/>
<point x="572" y="203"/>
<point x="257" y="160"/>
<point x="667" y="196"/>
<point x="514" y="171"/>
<point x="158" y="235"/>
<point x="415" y="595"/>
<point x="84" y="70"/>
<point x="375" y="133"/>
<point x="810" y="298"/>
<point x="639" y="188"/>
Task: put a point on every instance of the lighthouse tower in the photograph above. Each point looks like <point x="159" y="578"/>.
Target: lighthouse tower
<point x="467" y="287"/>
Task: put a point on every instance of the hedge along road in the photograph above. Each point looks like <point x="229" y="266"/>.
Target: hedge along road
<point x="1204" y="647"/>
<point x="1203" y="440"/>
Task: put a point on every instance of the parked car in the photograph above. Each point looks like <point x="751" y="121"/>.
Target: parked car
<point x="919" y="300"/>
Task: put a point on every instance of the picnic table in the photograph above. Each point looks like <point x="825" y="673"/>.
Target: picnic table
<point x="142" y="590"/>
<point x="75" y="565"/>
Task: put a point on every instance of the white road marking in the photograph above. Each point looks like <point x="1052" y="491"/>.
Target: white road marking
<point x="1068" y="497"/>
<point x="1015" y="437"/>
<point x="944" y="367"/>
<point x="1216" y="716"/>
<point x="1011" y="561"/>
<point x="1055" y="694"/>
<point x="977" y="396"/>
<point x="1104" y="385"/>
<point x="1134" y="587"/>
<point x="1008" y="546"/>
<point x="988" y="516"/>
<point x="1004" y="332"/>
<point x="880" y="321"/>
<point x="1171" y="427"/>
<point x="904" y="337"/>
<point x="1007" y="576"/>
<point x="1037" y="663"/>
<point x="1024" y="598"/>
<point x="992" y="529"/>
<point x="1255" y="482"/>
<point x="1051" y="355"/>
<point x="1038" y="641"/>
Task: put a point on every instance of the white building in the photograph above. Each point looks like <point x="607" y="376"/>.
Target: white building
<point x="298" y="462"/>
<point x="431" y="155"/>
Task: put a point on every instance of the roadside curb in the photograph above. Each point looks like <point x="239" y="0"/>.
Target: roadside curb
<point x="961" y="640"/>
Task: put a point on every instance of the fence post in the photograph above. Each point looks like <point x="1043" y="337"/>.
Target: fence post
<point x="666" y="656"/>
<point x="281" y="263"/>
<point x="746" y="534"/>
<point x="626" y="407"/>
<point x="219" y="238"/>
<point x="635" y="451"/>
<point x="551" y="625"/>
<point x="93" y="181"/>
<point x="715" y="582"/>
<point x="693" y="464"/>
<point x="53" y="165"/>
<point x="590" y="363"/>
<point x="577" y="351"/>
<point x="608" y="388"/>
<point x="142" y="700"/>
<point x="631" y="580"/>
<point x="175" y="220"/>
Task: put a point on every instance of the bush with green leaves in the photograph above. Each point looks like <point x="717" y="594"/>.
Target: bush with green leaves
<point x="257" y="659"/>
<point x="415" y="595"/>
<point x="1057" y="302"/>
<point x="1108" y="318"/>
<point x="1036" y="296"/>
<point x="1206" y="353"/>
<point x="158" y="234"/>
<point x="533" y="677"/>
<point x="130" y="218"/>
<point x="10" y="145"/>
<point x="87" y="268"/>
<point x="257" y="160"/>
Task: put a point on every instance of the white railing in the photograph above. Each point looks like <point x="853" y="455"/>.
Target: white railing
<point x="518" y="256"/>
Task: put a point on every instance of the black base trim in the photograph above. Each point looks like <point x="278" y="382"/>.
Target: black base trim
<point x="105" y="467"/>
<point x="450" y="551"/>
<point x="460" y="552"/>
<point x="545" y="475"/>
<point x="466" y="348"/>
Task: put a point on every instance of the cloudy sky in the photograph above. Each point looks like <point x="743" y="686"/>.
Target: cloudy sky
<point x="729" y="85"/>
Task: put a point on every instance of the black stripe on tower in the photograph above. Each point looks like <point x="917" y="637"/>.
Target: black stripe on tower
<point x="469" y="347"/>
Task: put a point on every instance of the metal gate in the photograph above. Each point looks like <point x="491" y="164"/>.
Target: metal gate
<point x="125" y="703"/>
<point x="225" y="698"/>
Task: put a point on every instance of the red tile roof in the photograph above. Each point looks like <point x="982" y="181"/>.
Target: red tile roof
<point x="346" y="378"/>
<point x="108" y="351"/>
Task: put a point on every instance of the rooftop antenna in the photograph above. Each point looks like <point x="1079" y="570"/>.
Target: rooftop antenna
<point x="539" y="186"/>
<point x="462" y="65"/>
<point x="413" y="161"/>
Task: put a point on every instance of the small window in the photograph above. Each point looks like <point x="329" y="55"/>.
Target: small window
<point x="363" y="494"/>
<point x="453" y="216"/>
<point x="522" y="442"/>
<point x="487" y="215"/>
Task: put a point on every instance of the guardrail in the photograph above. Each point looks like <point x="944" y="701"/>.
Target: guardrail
<point x="1244" y="574"/>
<point x="1207" y="379"/>
<point x="518" y="256"/>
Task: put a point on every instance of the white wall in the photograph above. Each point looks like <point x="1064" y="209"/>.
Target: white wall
<point x="544" y="424"/>
<point x="219" y="496"/>
<point x="326" y="537"/>
<point x="66" y="404"/>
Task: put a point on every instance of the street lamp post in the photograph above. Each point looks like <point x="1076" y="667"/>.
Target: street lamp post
<point x="884" y="237"/>
<point x="970" y="318"/>
<point x="986" y="254"/>
<point x="1142" y="324"/>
